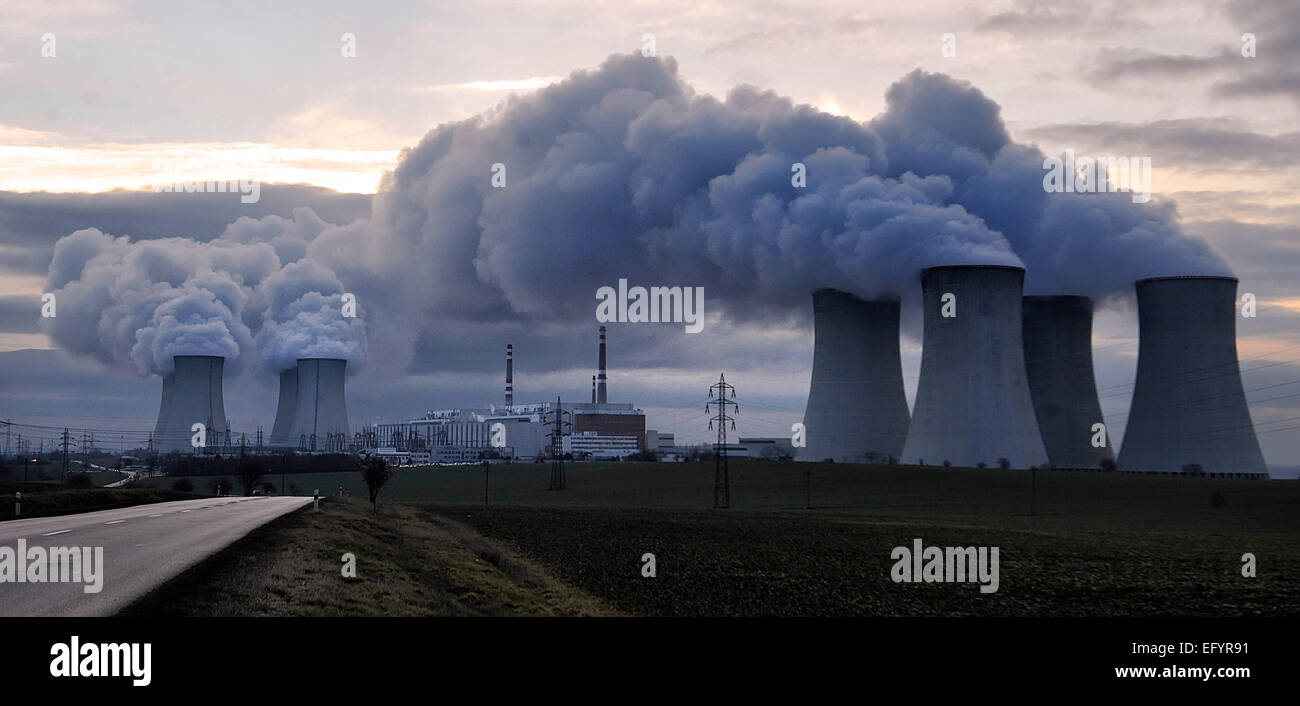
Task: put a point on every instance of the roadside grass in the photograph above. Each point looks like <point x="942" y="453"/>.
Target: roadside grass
<point x="48" y="499"/>
<point x="409" y="562"/>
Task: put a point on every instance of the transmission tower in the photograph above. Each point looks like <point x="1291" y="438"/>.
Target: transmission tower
<point x="724" y="399"/>
<point x="65" y="454"/>
<point x="559" y="481"/>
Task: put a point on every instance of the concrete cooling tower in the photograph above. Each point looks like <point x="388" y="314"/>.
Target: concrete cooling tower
<point x="191" y="394"/>
<point x="284" y="410"/>
<point x="972" y="399"/>
<point x="857" y="410"/>
<point x="321" y="410"/>
<point x="1188" y="403"/>
<point x="1058" y="362"/>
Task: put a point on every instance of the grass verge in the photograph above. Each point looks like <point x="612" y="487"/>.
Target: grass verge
<point x="409" y="562"/>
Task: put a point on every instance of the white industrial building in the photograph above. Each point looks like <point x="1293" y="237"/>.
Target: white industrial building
<point x="590" y="444"/>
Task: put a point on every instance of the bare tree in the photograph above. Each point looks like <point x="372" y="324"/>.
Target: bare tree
<point x="250" y="474"/>
<point x="377" y="472"/>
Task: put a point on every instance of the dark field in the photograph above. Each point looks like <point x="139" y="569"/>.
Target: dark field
<point x="1064" y="499"/>
<point x="823" y="563"/>
<point x="1096" y="544"/>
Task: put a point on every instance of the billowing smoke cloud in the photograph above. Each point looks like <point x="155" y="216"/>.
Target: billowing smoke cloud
<point x="303" y="318"/>
<point x="135" y="305"/>
<point x="624" y="172"/>
<point x="1071" y="243"/>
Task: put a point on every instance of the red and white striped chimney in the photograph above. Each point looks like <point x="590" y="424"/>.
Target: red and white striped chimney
<point x="601" y="389"/>
<point x="510" y="374"/>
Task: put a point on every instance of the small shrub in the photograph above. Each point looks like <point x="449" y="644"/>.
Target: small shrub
<point x="79" y="480"/>
<point x="1218" y="499"/>
<point x="184" y="485"/>
<point x="1004" y="463"/>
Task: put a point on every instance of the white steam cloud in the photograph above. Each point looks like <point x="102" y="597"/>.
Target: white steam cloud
<point x="620" y="172"/>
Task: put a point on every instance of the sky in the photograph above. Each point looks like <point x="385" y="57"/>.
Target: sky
<point x="264" y="89"/>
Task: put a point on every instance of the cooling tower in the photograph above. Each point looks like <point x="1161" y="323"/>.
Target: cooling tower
<point x="164" y="408"/>
<point x="321" y="410"/>
<point x="857" y="410"/>
<point x="285" y="409"/>
<point x="972" y="400"/>
<point x="191" y="394"/>
<point x="1058" y="363"/>
<point x="1188" y="403"/>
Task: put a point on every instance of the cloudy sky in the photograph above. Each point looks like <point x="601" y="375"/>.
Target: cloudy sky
<point x="264" y="91"/>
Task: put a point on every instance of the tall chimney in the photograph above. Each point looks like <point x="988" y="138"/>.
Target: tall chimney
<point x="593" y="389"/>
<point x="510" y="376"/>
<point x="602" y="393"/>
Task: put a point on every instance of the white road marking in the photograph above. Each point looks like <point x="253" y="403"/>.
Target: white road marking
<point x="158" y="515"/>
<point x="184" y="510"/>
<point x="114" y="522"/>
<point x="51" y="534"/>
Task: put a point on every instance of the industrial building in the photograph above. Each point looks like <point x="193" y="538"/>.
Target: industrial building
<point x="764" y="447"/>
<point x="1058" y="363"/>
<point x="1189" y="411"/>
<point x="972" y="399"/>
<point x="857" y="410"/>
<point x="592" y="445"/>
<point x="599" y="428"/>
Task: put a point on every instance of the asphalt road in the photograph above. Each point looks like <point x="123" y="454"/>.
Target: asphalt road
<point x="143" y="546"/>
